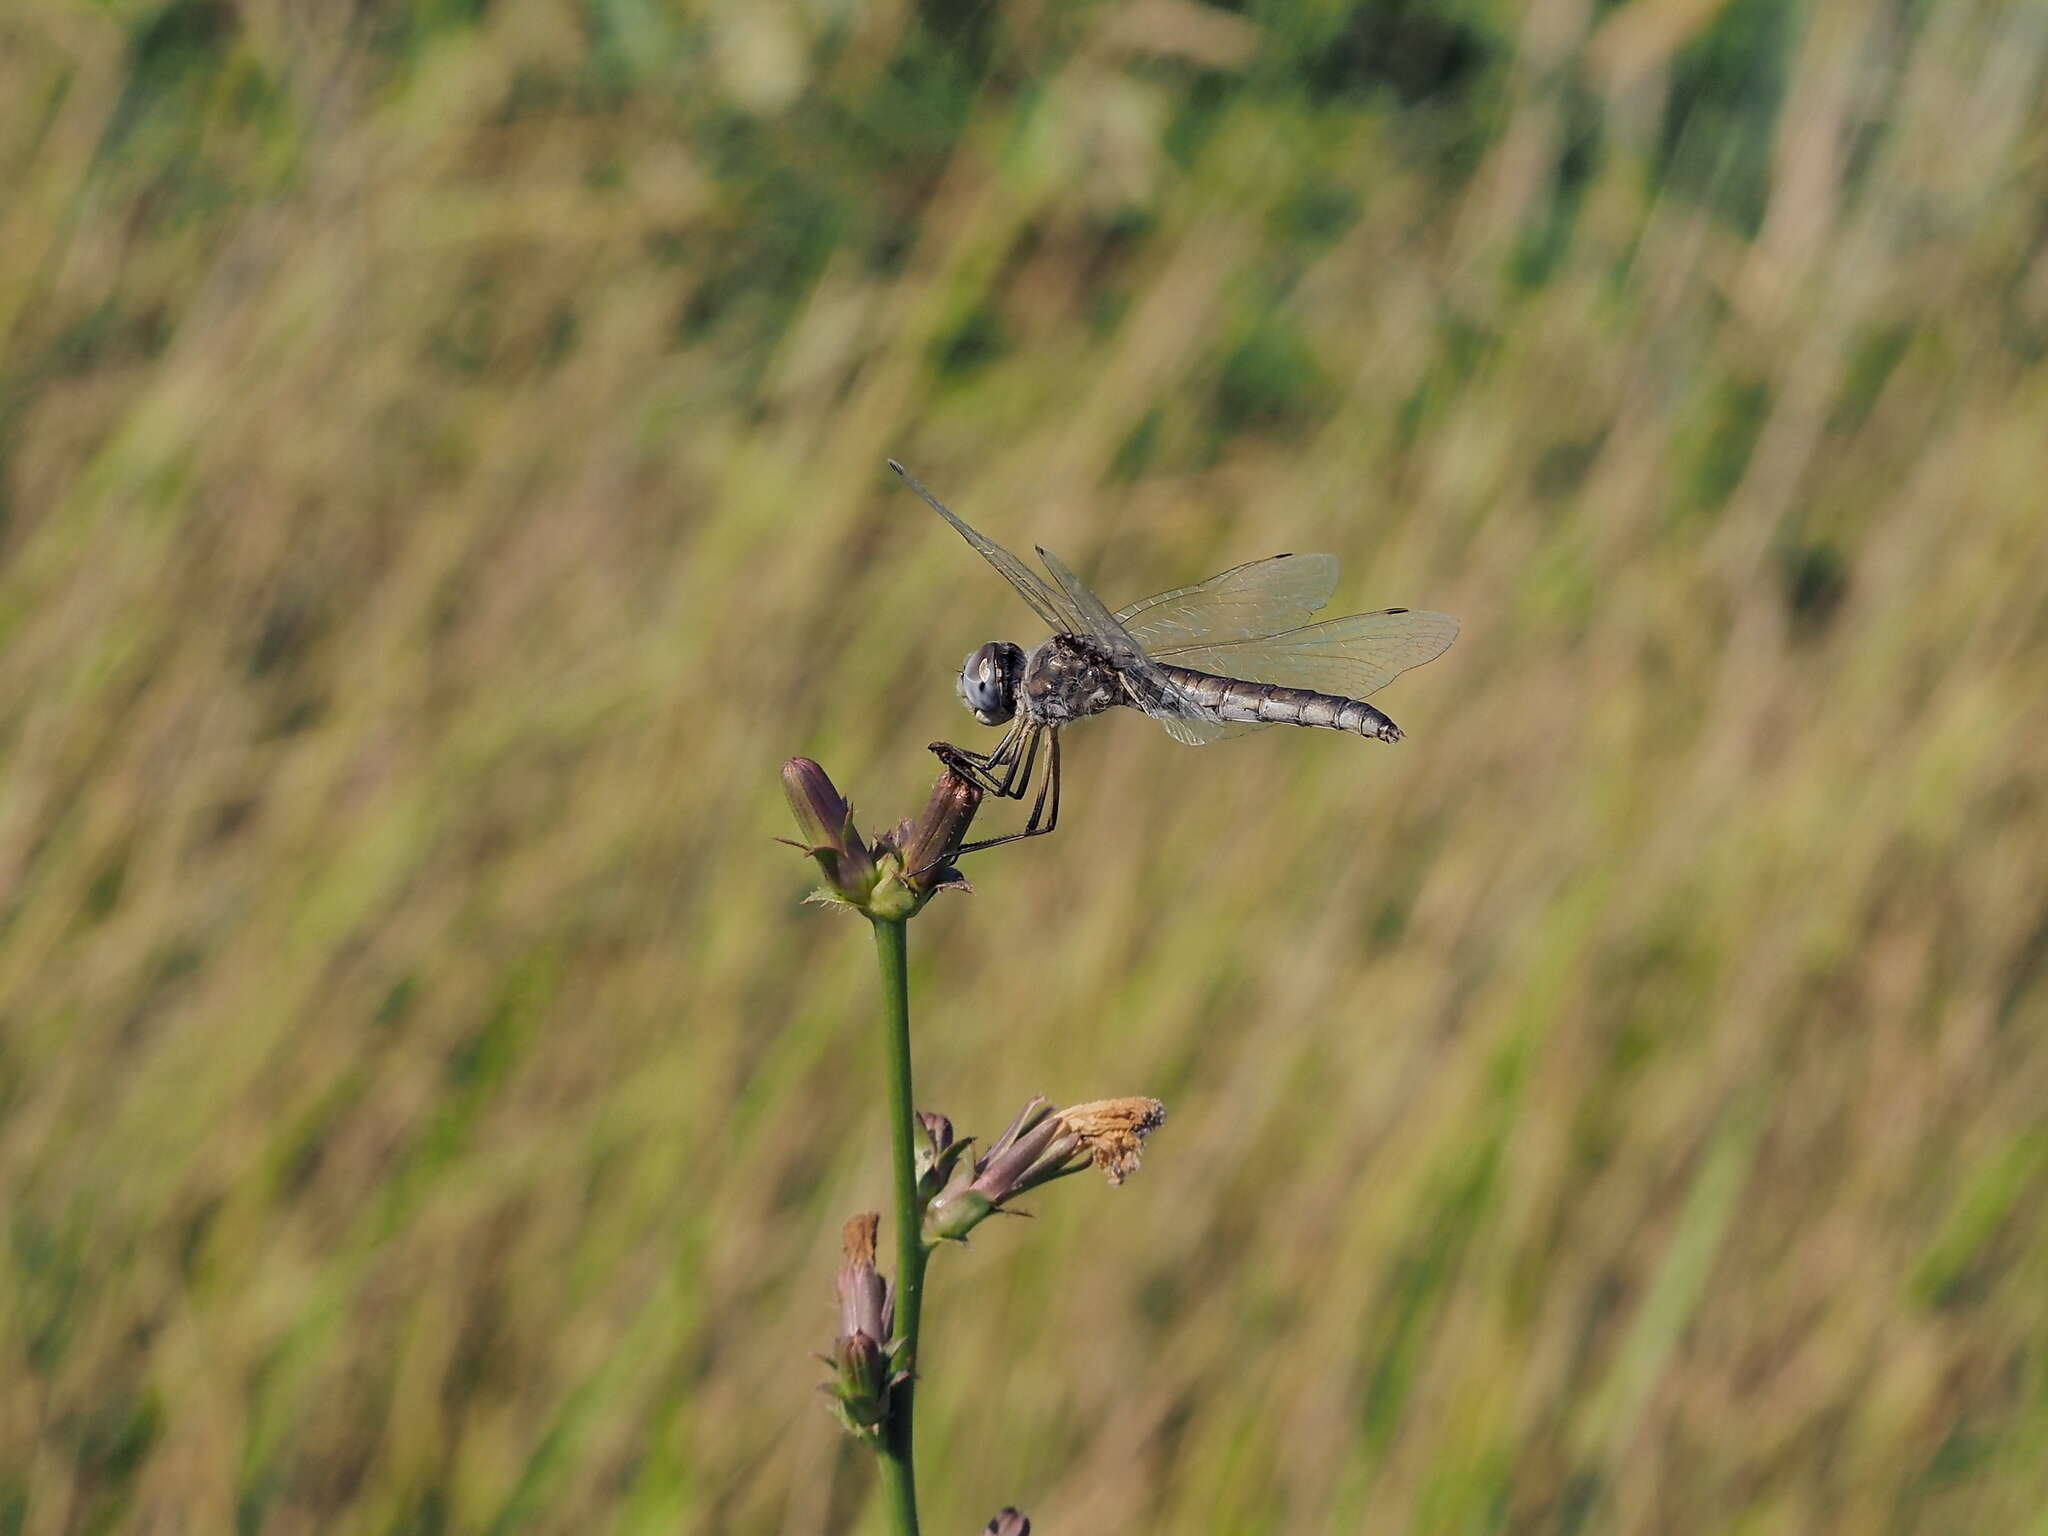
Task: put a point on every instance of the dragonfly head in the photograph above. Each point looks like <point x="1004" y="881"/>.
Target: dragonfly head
<point x="989" y="681"/>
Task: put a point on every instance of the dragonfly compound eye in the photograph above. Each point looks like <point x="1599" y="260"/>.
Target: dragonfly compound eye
<point x="988" y="681"/>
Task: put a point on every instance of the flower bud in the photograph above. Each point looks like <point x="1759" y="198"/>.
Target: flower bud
<point x="825" y="819"/>
<point x="928" y="845"/>
<point x="865" y="1361"/>
<point x="916" y="856"/>
<point x="937" y="1155"/>
<point x="897" y="875"/>
<point x="1006" y="1169"/>
<point x="1032" y="1151"/>
<point x="865" y="1303"/>
<point x="950" y="1218"/>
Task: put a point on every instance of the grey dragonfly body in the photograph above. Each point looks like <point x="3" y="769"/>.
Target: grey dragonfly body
<point x="1227" y="655"/>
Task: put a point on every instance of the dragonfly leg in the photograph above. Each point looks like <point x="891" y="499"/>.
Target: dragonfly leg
<point x="1038" y="823"/>
<point x="1045" y="812"/>
<point x="1022" y="766"/>
<point x="971" y="766"/>
<point x="995" y="773"/>
<point x="1052" y="784"/>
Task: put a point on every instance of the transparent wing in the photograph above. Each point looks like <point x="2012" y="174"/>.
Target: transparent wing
<point x="1352" y="657"/>
<point x="1151" y="689"/>
<point x="1198" y="729"/>
<point x="1262" y="597"/>
<point x="1044" y="602"/>
<point x="1096" y="619"/>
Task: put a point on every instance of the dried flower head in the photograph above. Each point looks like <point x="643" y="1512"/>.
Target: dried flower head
<point x="865" y="1360"/>
<point x="1040" y="1145"/>
<point x="1113" y="1131"/>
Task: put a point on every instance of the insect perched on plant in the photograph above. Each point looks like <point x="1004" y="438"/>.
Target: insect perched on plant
<point x="1227" y="655"/>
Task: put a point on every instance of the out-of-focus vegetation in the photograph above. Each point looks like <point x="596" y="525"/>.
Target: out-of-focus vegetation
<point x="441" y="450"/>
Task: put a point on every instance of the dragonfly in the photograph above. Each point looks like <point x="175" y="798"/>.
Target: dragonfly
<point x="1222" y="657"/>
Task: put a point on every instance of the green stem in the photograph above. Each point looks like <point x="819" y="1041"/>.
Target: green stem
<point x="899" y="1472"/>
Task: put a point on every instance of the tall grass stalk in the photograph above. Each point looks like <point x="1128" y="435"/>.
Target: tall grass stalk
<point x="897" y="1449"/>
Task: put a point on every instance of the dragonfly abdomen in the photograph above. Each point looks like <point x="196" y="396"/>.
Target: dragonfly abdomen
<point x="1236" y="698"/>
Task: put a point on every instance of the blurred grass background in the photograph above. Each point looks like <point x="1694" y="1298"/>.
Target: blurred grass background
<point x="441" y="469"/>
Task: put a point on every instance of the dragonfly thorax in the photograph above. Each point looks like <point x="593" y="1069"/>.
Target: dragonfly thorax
<point x="1066" y="679"/>
<point x="989" y="680"/>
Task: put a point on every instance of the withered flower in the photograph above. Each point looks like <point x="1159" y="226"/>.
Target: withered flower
<point x="1113" y="1132"/>
<point x="901" y="870"/>
<point x="1010" y="1522"/>
<point x="1040" y="1145"/>
<point x="865" y="1361"/>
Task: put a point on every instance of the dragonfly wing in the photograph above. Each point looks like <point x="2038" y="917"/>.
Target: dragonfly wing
<point x="1262" y="597"/>
<point x="1198" y="729"/>
<point x="1351" y="657"/>
<point x="1201" y="732"/>
<point x="1150" y="689"/>
<point x="1044" y="601"/>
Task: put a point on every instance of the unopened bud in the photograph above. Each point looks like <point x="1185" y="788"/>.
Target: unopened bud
<point x="952" y="1216"/>
<point x="897" y="875"/>
<point x="937" y="1154"/>
<point x="1026" y="1155"/>
<point x="928" y="845"/>
<point x="865" y="1303"/>
<point x="825" y="820"/>
<point x="916" y="855"/>
<point x="865" y="1361"/>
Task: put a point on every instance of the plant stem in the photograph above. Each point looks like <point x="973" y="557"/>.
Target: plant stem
<point x="899" y="1472"/>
